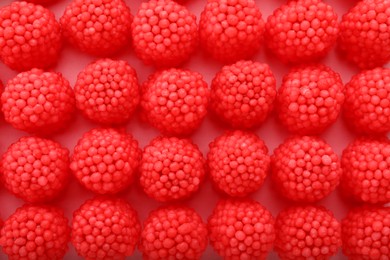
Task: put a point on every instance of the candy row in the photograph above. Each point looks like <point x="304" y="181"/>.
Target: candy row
<point x="165" y="34"/>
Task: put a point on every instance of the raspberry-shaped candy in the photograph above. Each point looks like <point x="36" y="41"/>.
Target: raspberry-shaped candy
<point x="38" y="102"/>
<point x="171" y="168"/>
<point x="307" y="232"/>
<point x="35" y="169"/>
<point x="173" y="233"/>
<point x="97" y="27"/>
<point x="241" y="229"/>
<point x="35" y="232"/>
<point x="305" y="169"/>
<point x="107" y="91"/>
<point x="231" y="30"/>
<point x="366" y="170"/>
<point x="164" y="33"/>
<point x="242" y="94"/>
<point x="175" y="101"/>
<point x="105" y="160"/>
<point x="30" y="36"/>
<point x="367" y="101"/>
<point x="302" y="30"/>
<point x="238" y="163"/>
<point x="365" y="33"/>
<point x="310" y="99"/>
<point x="366" y="233"/>
<point x="105" y="229"/>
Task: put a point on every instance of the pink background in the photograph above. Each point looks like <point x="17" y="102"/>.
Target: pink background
<point x="72" y="62"/>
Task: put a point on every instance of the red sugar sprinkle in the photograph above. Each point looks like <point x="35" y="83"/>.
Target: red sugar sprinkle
<point x="367" y="101"/>
<point x="164" y="33"/>
<point x="231" y="30"/>
<point x="38" y="102"/>
<point x="310" y="99"/>
<point x="105" y="160"/>
<point x="366" y="233"/>
<point x="238" y="163"/>
<point x="171" y="168"/>
<point x="107" y="91"/>
<point x="35" y="232"/>
<point x="175" y="101"/>
<point x="366" y="170"/>
<point x="302" y="30"/>
<point x="307" y="232"/>
<point x="30" y="36"/>
<point x="241" y="229"/>
<point x="105" y="229"/>
<point x="173" y="233"/>
<point x="242" y="94"/>
<point x="365" y="33"/>
<point x="305" y="169"/>
<point x="35" y="169"/>
<point x="97" y="27"/>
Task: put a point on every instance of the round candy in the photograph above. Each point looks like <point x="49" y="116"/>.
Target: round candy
<point x="175" y="101"/>
<point x="242" y="94"/>
<point x="241" y="229"/>
<point x="105" y="229"/>
<point x="366" y="170"/>
<point x="231" y="30"/>
<point x="171" y="168"/>
<point x="310" y="99"/>
<point x="367" y="101"/>
<point x="35" y="169"/>
<point x="164" y="33"/>
<point x="305" y="169"/>
<point x="38" y="102"/>
<point x="105" y="160"/>
<point x="173" y="233"/>
<point x="107" y="91"/>
<point x="307" y="232"/>
<point x="364" y="33"/>
<point x="97" y="27"/>
<point x="302" y="30"/>
<point x="30" y="36"/>
<point x="238" y="163"/>
<point x="35" y="232"/>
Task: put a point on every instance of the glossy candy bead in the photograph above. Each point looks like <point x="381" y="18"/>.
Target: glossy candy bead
<point x="97" y="27"/>
<point x="35" y="232"/>
<point x="164" y="33"/>
<point x="367" y="102"/>
<point x="107" y="91"/>
<point x="302" y="30"/>
<point x="231" y="30"/>
<point x="305" y="169"/>
<point x="238" y="163"/>
<point x="105" y="160"/>
<point x="242" y="94"/>
<point x="35" y="169"/>
<point x="38" y="102"/>
<point x="365" y="33"/>
<point x="307" y="232"/>
<point x="175" y="101"/>
<point x="106" y="229"/>
<point x="310" y="99"/>
<point x="172" y="233"/>
<point x="366" y="170"/>
<point x="241" y="229"/>
<point x="171" y="169"/>
<point x="30" y="36"/>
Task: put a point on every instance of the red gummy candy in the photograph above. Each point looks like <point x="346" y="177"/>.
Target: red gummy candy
<point x="107" y="91"/>
<point x="242" y="94"/>
<point x="30" y="36"/>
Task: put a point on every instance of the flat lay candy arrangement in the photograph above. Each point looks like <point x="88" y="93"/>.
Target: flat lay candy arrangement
<point x="195" y="129"/>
